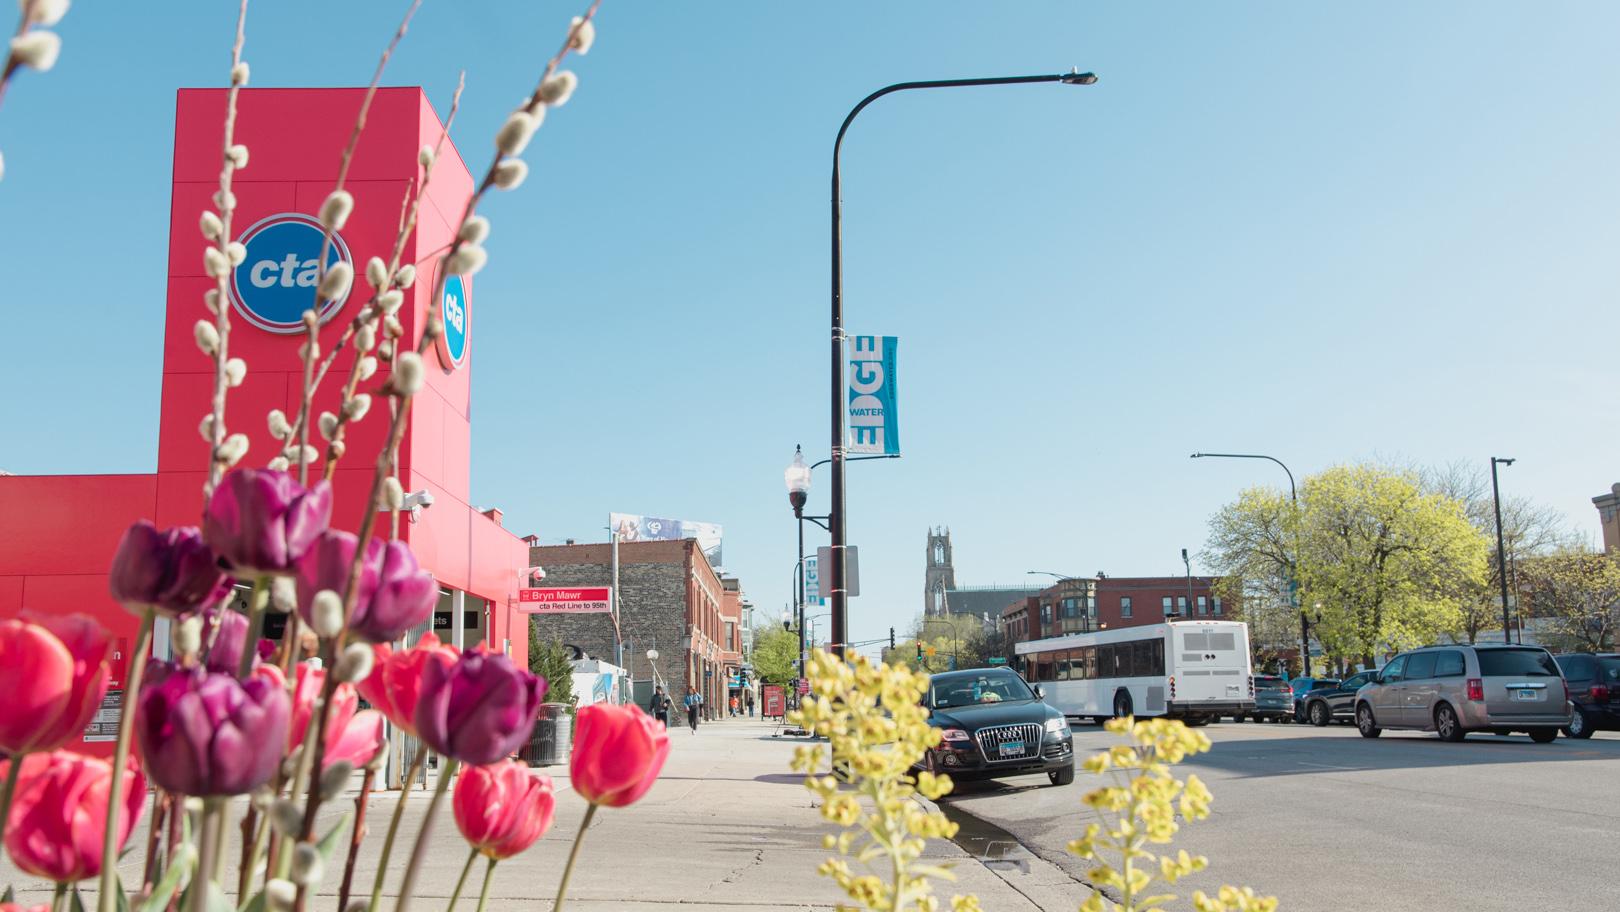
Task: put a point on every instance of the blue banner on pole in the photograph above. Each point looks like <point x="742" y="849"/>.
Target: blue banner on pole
<point x="874" y="428"/>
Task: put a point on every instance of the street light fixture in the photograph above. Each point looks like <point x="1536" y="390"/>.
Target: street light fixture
<point x="838" y="513"/>
<point x="1501" y="549"/>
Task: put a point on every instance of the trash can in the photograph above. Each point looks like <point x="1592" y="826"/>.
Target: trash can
<point x="552" y="737"/>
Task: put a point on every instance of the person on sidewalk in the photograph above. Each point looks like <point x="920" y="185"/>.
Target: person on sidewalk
<point x="660" y="706"/>
<point x="694" y="703"/>
<point x="733" y="706"/>
<point x="748" y="701"/>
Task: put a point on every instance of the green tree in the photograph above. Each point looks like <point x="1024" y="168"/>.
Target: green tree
<point x="1576" y="591"/>
<point x="551" y="660"/>
<point x="1251" y="548"/>
<point x="960" y="638"/>
<point x="776" y="652"/>
<point x="1389" y="562"/>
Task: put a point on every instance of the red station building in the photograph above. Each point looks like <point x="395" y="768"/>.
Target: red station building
<point x="58" y="533"/>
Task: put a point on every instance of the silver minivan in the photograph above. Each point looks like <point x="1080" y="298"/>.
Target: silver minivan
<point x="1454" y="690"/>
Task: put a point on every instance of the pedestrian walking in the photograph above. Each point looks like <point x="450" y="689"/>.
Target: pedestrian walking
<point x="734" y="704"/>
<point x="659" y="707"/>
<point x="694" y="703"/>
<point x="748" y="698"/>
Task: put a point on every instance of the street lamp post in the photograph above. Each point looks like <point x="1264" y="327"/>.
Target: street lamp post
<point x="1187" y="562"/>
<point x="797" y="478"/>
<point x="1293" y="595"/>
<point x="835" y="573"/>
<point x="1501" y="549"/>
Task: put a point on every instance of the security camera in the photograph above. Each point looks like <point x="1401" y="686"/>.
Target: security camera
<point x="417" y="499"/>
<point x="535" y="573"/>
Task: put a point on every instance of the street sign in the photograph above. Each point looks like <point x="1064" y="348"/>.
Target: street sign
<point x="812" y="580"/>
<point x="804" y="686"/>
<point x="852" y="568"/>
<point x="566" y="600"/>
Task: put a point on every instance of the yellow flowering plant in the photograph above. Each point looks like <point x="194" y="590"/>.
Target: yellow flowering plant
<point x="877" y="729"/>
<point x="1139" y="810"/>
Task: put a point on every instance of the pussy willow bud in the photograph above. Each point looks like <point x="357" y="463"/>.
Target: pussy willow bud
<point x="336" y="282"/>
<point x="406" y="276"/>
<point x="583" y="35"/>
<point x="356" y="408"/>
<point x="326" y="614"/>
<point x="186" y="636"/>
<point x="45" y="12"/>
<point x="514" y="135"/>
<point x="278" y="464"/>
<point x="215" y="264"/>
<point x="393" y="495"/>
<point x="193" y="805"/>
<point x="207" y="337"/>
<point x="468" y="259"/>
<point x="235" y="371"/>
<point x="559" y="88"/>
<point x="309" y="351"/>
<point x="335" y="210"/>
<point x="236" y="252"/>
<point x="408" y="373"/>
<point x="36" y="49"/>
<point x="279" y="428"/>
<point x="510" y="173"/>
<point x="335" y="777"/>
<point x="206" y="427"/>
<point x="239" y="74"/>
<point x="211" y="300"/>
<point x="327" y="424"/>
<point x="365" y="339"/>
<point x="283" y="594"/>
<point x="391" y="300"/>
<point x="424" y="157"/>
<point x="365" y="367"/>
<point x="307" y="867"/>
<point x="376" y="272"/>
<point x="474" y="230"/>
<point x="280" y="895"/>
<point x="355" y="664"/>
<point x="233" y="449"/>
<point x="393" y="326"/>
<point x="262" y="798"/>
<point x="210" y="224"/>
<point x="238" y="154"/>
<point x="225" y="200"/>
<point x="338" y="449"/>
<point x="286" y="817"/>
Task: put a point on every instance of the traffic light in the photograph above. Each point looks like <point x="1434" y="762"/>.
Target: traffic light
<point x="891" y="637"/>
<point x="919" y="649"/>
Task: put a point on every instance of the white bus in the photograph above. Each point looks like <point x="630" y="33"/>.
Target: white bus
<point x="1196" y="671"/>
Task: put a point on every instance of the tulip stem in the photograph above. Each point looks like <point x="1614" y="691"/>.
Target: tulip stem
<point x="107" y="901"/>
<point x="356" y="837"/>
<point x="210" y="844"/>
<point x="14" y="769"/>
<point x="461" y="881"/>
<point x="419" y="852"/>
<point x="489" y="875"/>
<point x="393" y="825"/>
<point x="579" y="837"/>
<point x="59" y="898"/>
<point x="250" y="645"/>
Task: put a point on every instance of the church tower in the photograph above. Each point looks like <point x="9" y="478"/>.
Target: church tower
<point x="939" y="576"/>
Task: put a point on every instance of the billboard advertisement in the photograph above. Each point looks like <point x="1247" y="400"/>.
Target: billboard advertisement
<point x="632" y="527"/>
<point x="566" y="600"/>
<point x="874" y="429"/>
<point x="771" y="702"/>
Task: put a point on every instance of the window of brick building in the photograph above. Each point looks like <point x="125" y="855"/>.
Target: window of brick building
<point x="1217" y="604"/>
<point x="1125" y="606"/>
<point x="1203" y="605"/>
<point x="1167" y="609"/>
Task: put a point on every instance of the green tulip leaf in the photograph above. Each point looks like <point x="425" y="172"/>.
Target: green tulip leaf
<point x="254" y="904"/>
<point x="218" y="901"/>
<point x="185" y="859"/>
<point x="10" y="896"/>
<point x="118" y="892"/>
<point x="78" y="901"/>
<point x="330" y="841"/>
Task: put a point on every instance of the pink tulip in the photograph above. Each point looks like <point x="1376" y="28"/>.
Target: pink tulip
<point x="53" y="674"/>
<point x="59" y="814"/>
<point x="13" y="907"/>
<point x="350" y="735"/>
<point x="359" y="741"/>
<point x="501" y="809"/>
<point x="395" y="683"/>
<point x="617" y="755"/>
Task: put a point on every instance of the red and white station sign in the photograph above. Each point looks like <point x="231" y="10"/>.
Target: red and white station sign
<point x="566" y="600"/>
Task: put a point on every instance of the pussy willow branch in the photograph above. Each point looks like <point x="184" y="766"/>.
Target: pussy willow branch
<point x="227" y="207"/>
<point x="12" y="63"/>
<point x="301" y="428"/>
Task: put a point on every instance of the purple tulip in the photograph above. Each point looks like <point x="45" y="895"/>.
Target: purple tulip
<point x="479" y="709"/>
<point x="394" y="594"/>
<point x="204" y="733"/>
<point x="261" y="522"/>
<point x="170" y="572"/>
<point x="229" y="631"/>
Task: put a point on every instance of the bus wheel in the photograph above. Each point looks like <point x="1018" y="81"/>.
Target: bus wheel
<point x="1196" y="721"/>
<point x="1122" y="704"/>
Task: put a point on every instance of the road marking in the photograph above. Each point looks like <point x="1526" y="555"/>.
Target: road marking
<point x="1327" y="766"/>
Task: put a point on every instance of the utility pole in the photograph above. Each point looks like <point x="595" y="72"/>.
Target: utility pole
<point x="1501" y="551"/>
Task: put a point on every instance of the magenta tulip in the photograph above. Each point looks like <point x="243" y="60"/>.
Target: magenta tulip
<point x="53" y="674"/>
<point x="478" y="710"/>
<point x="617" y="755"/>
<point x="205" y="733"/>
<point x="59" y="814"/>
<point x="169" y="572"/>
<point x="261" y="522"/>
<point x="394" y="594"/>
<point x="501" y="809"/>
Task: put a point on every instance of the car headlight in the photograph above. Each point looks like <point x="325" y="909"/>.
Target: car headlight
<point x="1057" y="726"/>
<point x="955" y="734"/>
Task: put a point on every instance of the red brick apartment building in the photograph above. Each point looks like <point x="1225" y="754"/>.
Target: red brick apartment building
<point x="1084" y="604"/>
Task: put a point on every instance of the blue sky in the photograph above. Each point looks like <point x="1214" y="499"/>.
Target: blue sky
<point x="1325" y="232"/>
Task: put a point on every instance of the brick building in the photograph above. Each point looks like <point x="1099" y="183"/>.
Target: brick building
<point x="1608" y="507"/>
<point x="670" y="600"/>
<point x="1084" y="604"/>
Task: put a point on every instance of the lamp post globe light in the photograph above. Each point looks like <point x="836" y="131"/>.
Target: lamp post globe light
<point x="835" y="587"/>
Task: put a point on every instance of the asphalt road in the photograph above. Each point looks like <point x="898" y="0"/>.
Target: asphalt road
<point x="1323" y="818"/>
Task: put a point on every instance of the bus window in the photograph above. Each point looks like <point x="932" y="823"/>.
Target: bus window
<point x="1222" y="642"/>
<point x="1158" y="657"/>
<point x="1091" y="661"/>
<point x="1197" y="641"/>
<point x="1142" y="657"/>
<point x="1124" y="667"/>
<point x="1105" y="661"/>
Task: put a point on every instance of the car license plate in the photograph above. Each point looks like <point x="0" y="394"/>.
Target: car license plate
<point x="1012" y="748"/>
<point x="1525" y="696"/>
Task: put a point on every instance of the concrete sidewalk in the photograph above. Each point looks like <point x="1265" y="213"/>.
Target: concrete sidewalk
<point x="726" y="827"/>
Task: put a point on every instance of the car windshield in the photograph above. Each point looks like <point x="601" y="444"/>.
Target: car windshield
<point x="1517" y="662"/>
<point x="968" y="689"/>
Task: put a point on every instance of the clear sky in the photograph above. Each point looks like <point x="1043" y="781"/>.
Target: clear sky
<point x="1328" y="232"/>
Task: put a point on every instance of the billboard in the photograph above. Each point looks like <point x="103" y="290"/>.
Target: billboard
<point x="874" y="429"/>
<point x="566" y="600"/>
<point x="632" y="527"/>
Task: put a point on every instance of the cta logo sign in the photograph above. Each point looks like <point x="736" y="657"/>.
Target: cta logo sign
<point x="455" y="313"/>
<point x="276" y="282"/>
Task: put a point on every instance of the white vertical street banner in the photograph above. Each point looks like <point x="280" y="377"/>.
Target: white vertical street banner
<point x="812" y="581"/>
<point x="874" y="429"/>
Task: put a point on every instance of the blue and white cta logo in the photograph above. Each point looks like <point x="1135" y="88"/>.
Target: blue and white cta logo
<point x="455" y="311"/>
<point x="276" y="281"/>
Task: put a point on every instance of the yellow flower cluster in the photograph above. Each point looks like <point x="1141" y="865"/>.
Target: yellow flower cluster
<point x="1140" y="809"/>
<point x="877" y="728"/>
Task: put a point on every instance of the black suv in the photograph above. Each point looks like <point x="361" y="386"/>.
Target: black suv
<point x="995" y="725"/>
<point x="1337" y="703"/>
<point x="1594" y="688"/>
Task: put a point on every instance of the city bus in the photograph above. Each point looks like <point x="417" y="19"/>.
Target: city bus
<point x="1196" y="671"/>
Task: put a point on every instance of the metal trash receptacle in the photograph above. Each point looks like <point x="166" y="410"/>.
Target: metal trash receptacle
<point x="552" y="737"/>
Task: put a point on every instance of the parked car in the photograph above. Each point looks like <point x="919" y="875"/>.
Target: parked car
<point x="1594" y="688"/>
<point x="1454" y="690"/>
<point x="1336" y="703"/>
<point x="1302" y="687"/>
<point x="995" y="725"/>
<point x="1273" y="700"/>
